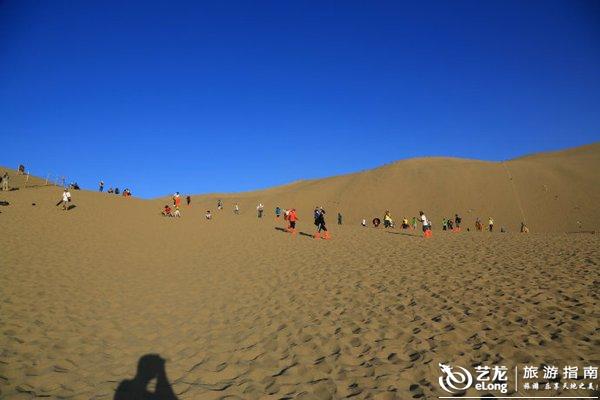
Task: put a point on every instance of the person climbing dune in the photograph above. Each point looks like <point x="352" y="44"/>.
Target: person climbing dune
<point x="320" y="223"/>
<point x="426" y="224"/>
<point x="292" y="218"/>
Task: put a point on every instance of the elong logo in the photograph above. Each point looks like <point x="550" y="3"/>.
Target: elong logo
<point x="454" y="381"/>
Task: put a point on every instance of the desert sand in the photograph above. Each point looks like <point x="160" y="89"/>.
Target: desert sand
<point x="240" y="309"/>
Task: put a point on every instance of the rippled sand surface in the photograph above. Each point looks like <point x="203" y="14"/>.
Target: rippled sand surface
<point x="240" y="309"/>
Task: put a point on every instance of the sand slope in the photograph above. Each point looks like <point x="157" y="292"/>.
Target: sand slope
<point x="243" y="310"/>
<point x="551" y="192"/>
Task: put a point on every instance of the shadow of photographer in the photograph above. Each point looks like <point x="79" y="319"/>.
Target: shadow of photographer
<point x="150" y="367"/>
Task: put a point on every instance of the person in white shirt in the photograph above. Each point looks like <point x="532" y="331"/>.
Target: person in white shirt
<point x="66" y="198"/>
<point x="259" y="209"/>
<point x="424" y="221"/>
<point x="236" y="208"/>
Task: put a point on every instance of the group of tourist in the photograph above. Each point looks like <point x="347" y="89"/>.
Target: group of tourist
<point x="479" y="225"/>
<point x="452" y="225"/>
<point x="448" y="224"/>
<point x="171" y="212"/>
<point x="388" y="222"/>
<point x="125" y="193"/>
<point x="176" y="211"/>
<point x="291" y="217"/>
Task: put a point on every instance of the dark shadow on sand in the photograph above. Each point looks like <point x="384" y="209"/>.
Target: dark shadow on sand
<point x="151" y="367"/>
<point x="278" y="228"/>
<point x="72" y="206"/>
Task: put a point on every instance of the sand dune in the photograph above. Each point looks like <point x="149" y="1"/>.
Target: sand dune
<point x="240" y="309"/>
<point x="551" y="192"/>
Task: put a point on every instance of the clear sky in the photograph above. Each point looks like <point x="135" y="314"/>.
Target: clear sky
<point x="216" y="96"/>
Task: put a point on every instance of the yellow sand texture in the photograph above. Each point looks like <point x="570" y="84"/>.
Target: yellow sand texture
<point x="242" y="310"/>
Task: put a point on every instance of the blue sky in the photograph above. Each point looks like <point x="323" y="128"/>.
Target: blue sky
<point x="228" y="96"/>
